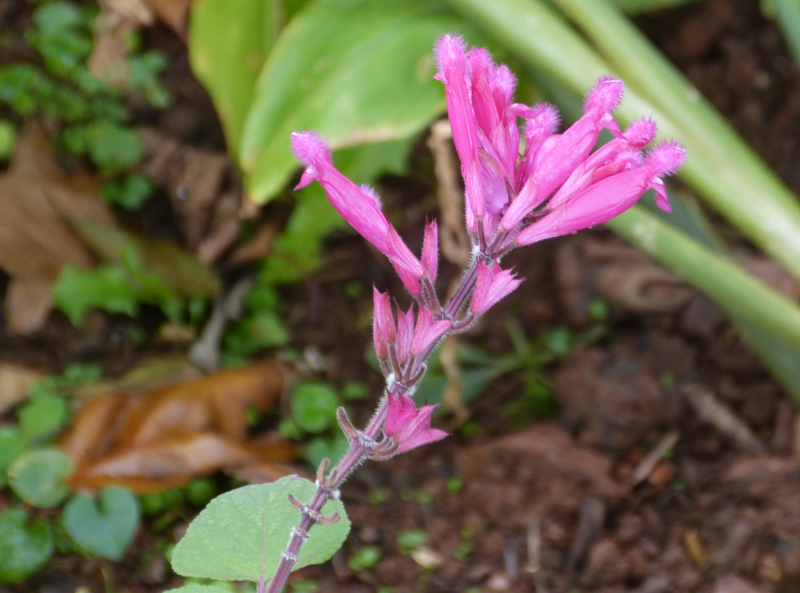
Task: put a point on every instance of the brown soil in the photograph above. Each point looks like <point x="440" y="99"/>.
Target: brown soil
<point x="571" y="503"/>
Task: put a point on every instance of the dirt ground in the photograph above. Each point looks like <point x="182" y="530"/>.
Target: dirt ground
<point x="673" y="460"/>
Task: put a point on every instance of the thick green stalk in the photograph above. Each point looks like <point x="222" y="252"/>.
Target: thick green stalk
<point x="787" y="13"/>
<point x="720" y="166"/>
<point x="739" y="293"/>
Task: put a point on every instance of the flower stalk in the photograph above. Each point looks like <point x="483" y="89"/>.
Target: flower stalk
<point x="557" y="186"/>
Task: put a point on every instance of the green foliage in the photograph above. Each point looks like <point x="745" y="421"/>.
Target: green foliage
<point x="105" y="527"/>
<point x="364" y="558"/>
<point x="24" y="547"/>
<point x="200" y="491"/>
<point x="129" y="193"/>
<point x="43" y="417"/>
<point x="229" y="539"/>
<point x="12" y="444"/>
<point x="8" y="139"/>
<point x="122" y="286"/>
<point x="37" y="476"/>
<point x="314" y="406"/>
<point x="91" y="113"/>
<point x="411" y="539"/>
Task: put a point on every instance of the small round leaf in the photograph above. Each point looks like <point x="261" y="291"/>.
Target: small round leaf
<point x="24" y="548"/>
<point x="105" y="527"/>
<point x="37" y="476"/>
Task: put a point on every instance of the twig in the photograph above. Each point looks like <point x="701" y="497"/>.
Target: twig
<point x="646" y="466"/>
<point x="710" y="409"/>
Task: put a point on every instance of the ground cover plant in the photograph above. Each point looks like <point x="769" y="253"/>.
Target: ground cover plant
<point x="609" y="428"/>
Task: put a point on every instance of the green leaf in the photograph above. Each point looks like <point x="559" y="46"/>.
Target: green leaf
<point x="43" y="416"/>
<point x="37" y="476"/>
<point x="179" y="270"/>
<point x="227" y="48"/>
<point x="112" y="147"/>
<point x="8" y="139"/>
<point x="105" y="527"/>
<point x="314" y="406"/>
<point x="24" y="548"/>
<point x="263" y="329"/>
<point x="12" y="443"/>
<point x="356" y="71"/>
<point x="228" y="540"/>
<point x="129" y="193"/>
<point x="77" y="291"/>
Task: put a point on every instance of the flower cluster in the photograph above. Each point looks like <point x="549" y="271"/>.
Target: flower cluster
<point x="522" y="185"/>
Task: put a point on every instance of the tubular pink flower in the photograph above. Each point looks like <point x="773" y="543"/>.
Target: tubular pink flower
<point x="450" y="53"/>
<point x="541" y="124"/>
<point x="427" y="331"/>
<point x="405" y="331"/>
<point x="359" y="206"/>
<point x="430" y="250"/>
<point x="383" y="328"/>
<point x="408" y="426"/>
<point x="492" y="285"/>
<point x="555" y="164"/>
<point x="609" y="197"/>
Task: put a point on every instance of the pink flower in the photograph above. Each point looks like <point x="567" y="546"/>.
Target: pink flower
<point x="427" y="332"/>
<point x="359" y="206"/>
<point x="384" y="333"/>
<point x="609" y="197"/>
<point x="493" y="284"/>
<point x="408" y="426"/>
<point x="559" y="156"/>
<point x="430" y="250"/>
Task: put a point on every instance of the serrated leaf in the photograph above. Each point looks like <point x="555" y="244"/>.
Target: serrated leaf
<point x="227" y="49"/>
<point x="37" y="477"/>
<point x="105" y="527"/>
<point x="24" y="548"/>
<point x="229" y="538"/>
<point x="356" y="71"/>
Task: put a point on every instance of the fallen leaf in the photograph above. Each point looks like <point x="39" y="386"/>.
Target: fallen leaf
<point x="35" y="240"/>
<point x="173" y="13"/>
<point x="170" y="435"/>
<point x="15" y="383"/>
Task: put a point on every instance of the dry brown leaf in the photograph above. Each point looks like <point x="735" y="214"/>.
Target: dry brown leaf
<point x="173" y="13"/>
<point x="170" y="435"/>
<point x="15" y="383"/>
<point x="35" y="240"/>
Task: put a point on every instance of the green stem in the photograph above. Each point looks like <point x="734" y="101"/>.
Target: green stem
<point x="787" y="13"/>
<point x="739" y="293"/>
<point x="721" y="167"/>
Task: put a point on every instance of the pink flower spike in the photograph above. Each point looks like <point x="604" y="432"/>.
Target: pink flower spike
<point x="492" y="285"/>
<point x="430" y="250"/>
<point x="408" y="426"/>
<point x="427" y="331"/>
<point x="384" y="333"/>
<point x="604" y="97"/>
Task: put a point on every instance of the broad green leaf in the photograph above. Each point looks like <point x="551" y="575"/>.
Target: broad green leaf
<point x="227" y="48"/>
<point x="43" y="416"/>
<point x="314" y="406"/>
<point x="105" y="527"/>
<point x="228" y="540"/>
<point x="24" y="548"/>
<point x="37" y="476"/>
<point x="357" y="71"/>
